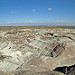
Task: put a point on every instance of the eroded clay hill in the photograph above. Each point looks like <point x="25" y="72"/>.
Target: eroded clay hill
<point x="37" y="50"/>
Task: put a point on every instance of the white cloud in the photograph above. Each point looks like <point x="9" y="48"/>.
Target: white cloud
<point x="49" y="9"/>
<point x="34" y="10"/>
<point x="13" y="12"/>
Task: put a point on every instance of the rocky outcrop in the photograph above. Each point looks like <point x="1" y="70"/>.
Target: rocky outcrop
<point x="68" y="70"/>
<point x="65" y="57"/>
<point x="57" y="50"/>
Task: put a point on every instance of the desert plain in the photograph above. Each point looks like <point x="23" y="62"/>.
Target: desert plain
<point x="37" y="50"/>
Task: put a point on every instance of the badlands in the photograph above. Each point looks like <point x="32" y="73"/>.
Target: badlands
<point x="37" y="50"/>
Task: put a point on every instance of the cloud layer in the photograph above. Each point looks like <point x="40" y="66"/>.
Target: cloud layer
<point x="57" y="22"/>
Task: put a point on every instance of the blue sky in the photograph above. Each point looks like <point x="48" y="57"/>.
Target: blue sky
<point x="20" y="12"/>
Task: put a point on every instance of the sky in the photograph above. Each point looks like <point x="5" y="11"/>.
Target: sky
<point x="37" y="12"/>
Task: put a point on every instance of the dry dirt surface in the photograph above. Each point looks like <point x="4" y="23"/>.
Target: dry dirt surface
<point x="37" y="50"/>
